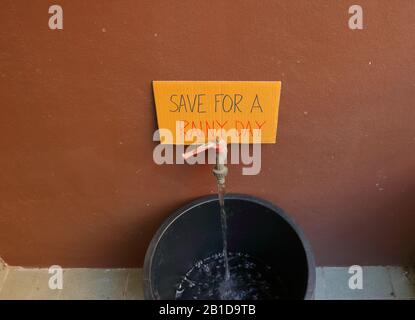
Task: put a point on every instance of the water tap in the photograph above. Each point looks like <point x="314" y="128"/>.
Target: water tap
<point x="220" y="170"/>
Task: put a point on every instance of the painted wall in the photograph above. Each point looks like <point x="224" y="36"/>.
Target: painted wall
<point x="78" y="185"/>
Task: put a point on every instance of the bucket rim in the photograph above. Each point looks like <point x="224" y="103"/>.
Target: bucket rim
<point x="148" y="259"/>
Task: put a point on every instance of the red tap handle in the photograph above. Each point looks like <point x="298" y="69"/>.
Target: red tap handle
<point x="217" y="145"/>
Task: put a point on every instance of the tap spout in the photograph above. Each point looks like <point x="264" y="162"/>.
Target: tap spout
<point x="220" y="170"/>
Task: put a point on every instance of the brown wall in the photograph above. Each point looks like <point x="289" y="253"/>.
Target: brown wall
<point x="78" y="186"/>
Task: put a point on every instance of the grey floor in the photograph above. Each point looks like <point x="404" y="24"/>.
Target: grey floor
<point x="332" y="283"/>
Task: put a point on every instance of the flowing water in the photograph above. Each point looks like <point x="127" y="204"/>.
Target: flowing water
<point x="227" y="275"/>
<point x="223" y="220"/>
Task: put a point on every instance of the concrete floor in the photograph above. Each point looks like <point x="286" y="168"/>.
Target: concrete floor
<point x="332" y="283"/>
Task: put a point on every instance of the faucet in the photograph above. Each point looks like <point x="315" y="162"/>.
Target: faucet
<point x="220" y="170"/>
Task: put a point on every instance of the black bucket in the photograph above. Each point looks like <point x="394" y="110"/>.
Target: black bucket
<point x="255" y="227"/>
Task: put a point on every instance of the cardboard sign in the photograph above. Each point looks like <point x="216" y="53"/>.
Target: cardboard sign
<point x="199" y="111"/>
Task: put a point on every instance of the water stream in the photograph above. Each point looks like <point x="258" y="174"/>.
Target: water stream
<point x="224" y="225"/>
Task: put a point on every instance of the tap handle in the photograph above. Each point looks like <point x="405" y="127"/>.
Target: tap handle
<point x="219" y="145"/>
<point x="199" y="149"/>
